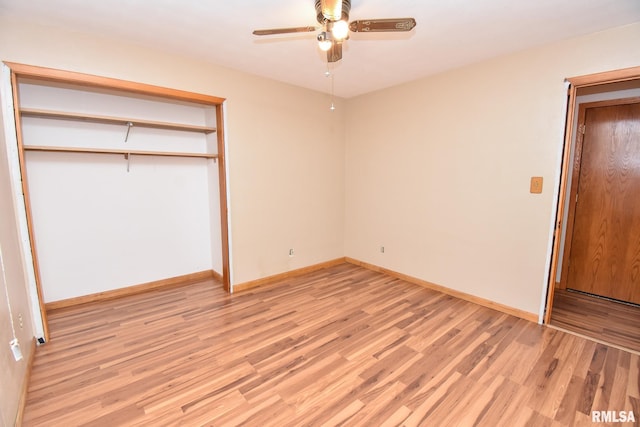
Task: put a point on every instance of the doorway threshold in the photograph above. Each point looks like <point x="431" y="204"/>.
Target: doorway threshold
<point x="603" y="320"/>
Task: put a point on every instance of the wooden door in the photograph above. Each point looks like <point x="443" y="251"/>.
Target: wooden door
<point x="605" y="242"/>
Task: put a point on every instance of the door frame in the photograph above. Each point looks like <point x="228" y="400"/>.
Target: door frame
<point x="575" y="83"/>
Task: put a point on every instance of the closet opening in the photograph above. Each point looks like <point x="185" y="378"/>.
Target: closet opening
<point x="124" y="186"/>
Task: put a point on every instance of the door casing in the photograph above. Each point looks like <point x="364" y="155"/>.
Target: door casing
<point x="626" y="74"/>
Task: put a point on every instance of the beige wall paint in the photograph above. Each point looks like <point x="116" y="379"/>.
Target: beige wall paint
<point x="442" y="180"/>
<point x="12" y="373"/>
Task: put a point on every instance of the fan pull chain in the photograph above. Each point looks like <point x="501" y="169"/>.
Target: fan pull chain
<point x="333" y="107"/>
<point x="329" y="74"/>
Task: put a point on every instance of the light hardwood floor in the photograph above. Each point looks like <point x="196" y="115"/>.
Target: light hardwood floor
<point x="343" y="345"/>
<point x="608" y="321"/>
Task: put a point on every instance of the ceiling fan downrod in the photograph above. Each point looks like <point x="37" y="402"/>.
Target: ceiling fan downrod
<point x="332" y="10"/>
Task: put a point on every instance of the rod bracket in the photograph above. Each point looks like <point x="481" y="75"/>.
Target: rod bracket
<point x="129" y="126"/>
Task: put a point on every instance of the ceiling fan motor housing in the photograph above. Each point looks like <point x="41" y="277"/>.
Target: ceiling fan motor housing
<point x="346" y="8"/>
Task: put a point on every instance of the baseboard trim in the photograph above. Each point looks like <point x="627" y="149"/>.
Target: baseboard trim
<point x="287" y="274"/>
<point x="216" y="276"/>
<point x="458" y="294"/>
<point x="22" y="403"/>
<point x="185" y="279"/>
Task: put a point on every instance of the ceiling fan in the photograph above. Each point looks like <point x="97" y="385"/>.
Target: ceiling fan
<point x="333" y="16"/>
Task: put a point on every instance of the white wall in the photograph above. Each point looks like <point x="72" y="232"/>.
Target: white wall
<point x="443" y="182"/>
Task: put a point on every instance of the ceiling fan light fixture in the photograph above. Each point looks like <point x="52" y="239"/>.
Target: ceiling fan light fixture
<point x="332" y="9"/>
<point x="333" y="20"/>
<point x="324" y="41"/>
<point x="340" y="30"/>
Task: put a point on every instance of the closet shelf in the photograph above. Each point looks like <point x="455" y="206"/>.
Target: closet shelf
<point x="118" y="151"/>
<point x="61" y="115"/>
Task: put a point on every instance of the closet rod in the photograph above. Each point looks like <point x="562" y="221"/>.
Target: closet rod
<point x="114" y="151"/>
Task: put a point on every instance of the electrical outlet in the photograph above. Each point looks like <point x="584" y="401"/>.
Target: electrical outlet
<point x="381" y="249"/>
<point x="291" y="252"/>
<point x="20" y="321"/>
<point x="15" y="349"/>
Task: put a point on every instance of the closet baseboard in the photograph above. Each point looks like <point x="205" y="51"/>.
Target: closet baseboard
<point x="185" y="279"/>
<point x="287" y="274"/>
<point x="25" y="384"/>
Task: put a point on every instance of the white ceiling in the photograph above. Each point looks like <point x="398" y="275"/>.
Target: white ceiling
<point x="449" y="34"/>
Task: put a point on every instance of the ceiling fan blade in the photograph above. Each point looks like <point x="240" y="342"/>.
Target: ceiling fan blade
<point x="335" y="53"/>
<point x="382" y="25"/>
<point x="273" y="31"/>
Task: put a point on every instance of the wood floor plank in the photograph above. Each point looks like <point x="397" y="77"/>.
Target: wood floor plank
<point x="499" y="402"/>
<point x="339" y="346"/>
<point x="633" y="388"/>
<point x="474" y="403"/>
<point x="605" y="320"/>
<point x="342" y="416"/>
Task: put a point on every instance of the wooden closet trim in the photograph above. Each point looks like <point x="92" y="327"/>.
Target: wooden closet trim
<point x="615" y="76"/>
<point x="23" y="71"/>
<point x="27" y="205"/>
<point x="222" y="180"/>
<point x="89" y="80"/>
